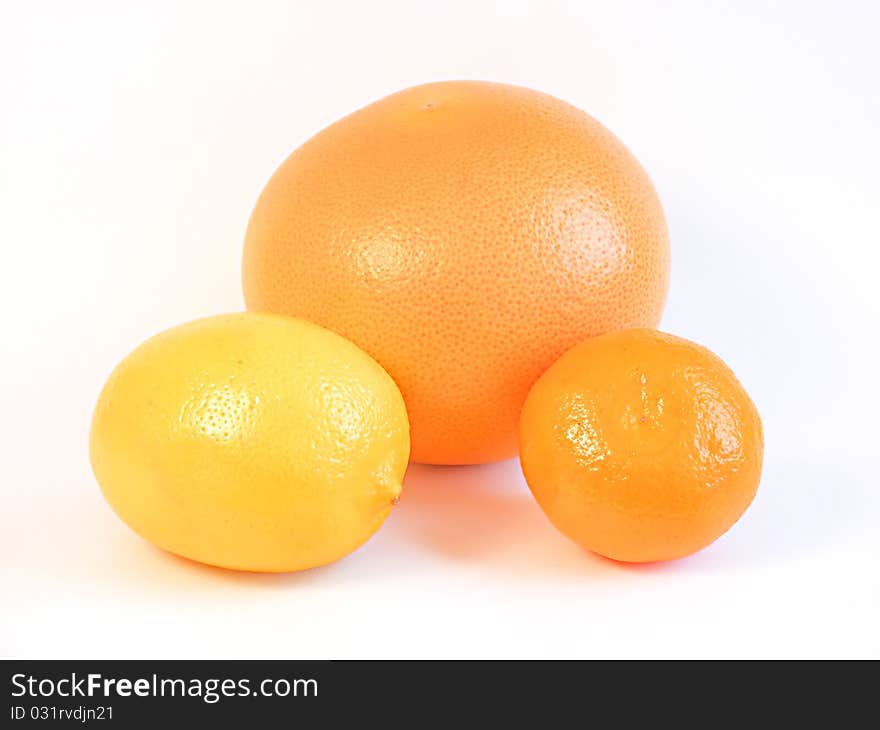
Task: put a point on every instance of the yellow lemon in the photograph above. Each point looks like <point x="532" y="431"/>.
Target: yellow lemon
<point x="251" y="441"/>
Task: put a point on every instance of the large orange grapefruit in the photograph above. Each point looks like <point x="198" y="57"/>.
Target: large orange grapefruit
<point x="465" y="234"/>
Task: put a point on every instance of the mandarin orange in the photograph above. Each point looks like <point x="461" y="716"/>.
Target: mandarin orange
<point x="465" y="234"/>
<point x="641" y="446"/>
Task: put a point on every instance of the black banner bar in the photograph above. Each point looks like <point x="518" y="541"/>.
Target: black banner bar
<point x="143" y="693"/>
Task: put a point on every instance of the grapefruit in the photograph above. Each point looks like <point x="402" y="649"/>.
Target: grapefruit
<point x="465" y="234"/>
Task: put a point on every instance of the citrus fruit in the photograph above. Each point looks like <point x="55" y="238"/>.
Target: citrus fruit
<point x="251" y="441"/>
<point x="641" y="446"/>
<point x="465" y="234"/>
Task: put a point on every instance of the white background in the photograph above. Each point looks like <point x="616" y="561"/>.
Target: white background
<point x="134" y="144"/>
